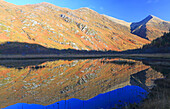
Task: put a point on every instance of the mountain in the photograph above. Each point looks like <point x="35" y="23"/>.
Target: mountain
<point x="150" y="28"/>
<point x="61" y="28"/>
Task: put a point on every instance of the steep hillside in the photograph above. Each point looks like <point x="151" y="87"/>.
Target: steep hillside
<point x="150" y="28"/>
<point x="159" y="45"/>
<point x="163" y="41"/>
<point x="62" y="28"/>
<point x="82" y="29"/>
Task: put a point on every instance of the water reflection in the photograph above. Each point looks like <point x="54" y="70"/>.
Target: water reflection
<point x="52" y="81"/>
<point x="117" y="99"/>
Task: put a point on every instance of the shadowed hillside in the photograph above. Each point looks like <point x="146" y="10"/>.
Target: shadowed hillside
<point x="159" y="45"/>
<point x="12" y="48"/>
<point x="163" y="41"/>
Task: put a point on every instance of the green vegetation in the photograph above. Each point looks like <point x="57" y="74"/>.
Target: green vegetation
<point x="163" y="41"/>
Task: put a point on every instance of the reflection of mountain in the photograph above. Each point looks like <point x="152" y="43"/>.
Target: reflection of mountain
<point x="145" y="78"/>
<point x="113" y="99"/>
<point x="20" y="64"/>
<point x="159" y="96"/>
<point x="62" y="79"/>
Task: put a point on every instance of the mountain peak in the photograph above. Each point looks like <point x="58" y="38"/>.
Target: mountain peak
<point x="85" y="8"/>
<point x="146" y="27"/>
<point x="146" y="20"/>
<point x="44" y="3"/>
<point x="151" y="16"/>
<point x="154" y="18"/>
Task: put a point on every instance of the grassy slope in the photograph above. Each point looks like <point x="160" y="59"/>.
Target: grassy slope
<point x="61" y="28"/>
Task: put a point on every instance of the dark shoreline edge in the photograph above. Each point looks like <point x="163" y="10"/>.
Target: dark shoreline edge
<point x="86" y="56"/>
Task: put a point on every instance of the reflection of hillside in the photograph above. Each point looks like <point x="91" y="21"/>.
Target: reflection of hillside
<point x="159" y="96"/>
<point x="62" y="79"/>
<point x="145" y="78"/>
<point x="19" y="64"/>
<point x="121" y="62"/>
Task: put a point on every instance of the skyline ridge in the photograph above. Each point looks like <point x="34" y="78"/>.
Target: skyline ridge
<point x="111" y="12"/>
<point x="82" y="29"/>
<point x="92" y="10"/>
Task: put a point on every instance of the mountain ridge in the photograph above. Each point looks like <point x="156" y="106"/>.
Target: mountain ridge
<point x="80" y="29"/>
<point x="150" y="28"/>
<point x="122" y="22"/>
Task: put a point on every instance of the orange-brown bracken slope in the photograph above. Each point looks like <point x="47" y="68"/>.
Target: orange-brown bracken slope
<point x="63" y="28"/>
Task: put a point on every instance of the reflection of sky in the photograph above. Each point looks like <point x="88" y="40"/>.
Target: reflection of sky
<point x="122" y="96"/>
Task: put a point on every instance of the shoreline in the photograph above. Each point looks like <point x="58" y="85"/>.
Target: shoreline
<point x="85" y="56"/>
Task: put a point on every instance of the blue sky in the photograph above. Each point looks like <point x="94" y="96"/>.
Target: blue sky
<point x="128" y="10"/>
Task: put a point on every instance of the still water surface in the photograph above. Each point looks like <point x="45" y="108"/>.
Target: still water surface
<point x="74" y="84"/>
